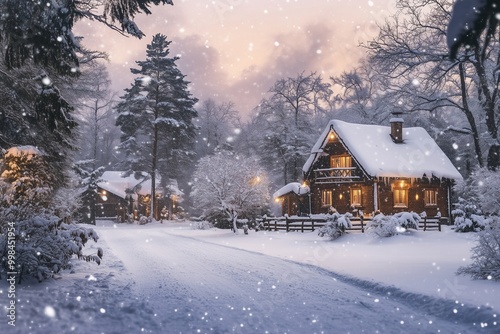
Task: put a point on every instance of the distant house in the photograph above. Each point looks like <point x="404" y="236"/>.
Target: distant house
<point x="119" y="195"/>
<point x="370" y="168"/>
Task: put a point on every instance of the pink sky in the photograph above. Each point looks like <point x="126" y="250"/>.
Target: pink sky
<point x="234" y="50"/>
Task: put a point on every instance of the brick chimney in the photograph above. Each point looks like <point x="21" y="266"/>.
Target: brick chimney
<point x="397" y="129"/>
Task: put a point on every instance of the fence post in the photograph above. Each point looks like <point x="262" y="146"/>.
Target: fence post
<point x="362" y="225"/>
<point x="287" y="224"/>
<point x="425" y="223"/>
<point x="302" y="226"/>
<point x="439" y="224"/>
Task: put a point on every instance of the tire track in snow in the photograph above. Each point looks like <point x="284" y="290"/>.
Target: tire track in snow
<point x="482" y="318"/>
<point x="199" y="286"/>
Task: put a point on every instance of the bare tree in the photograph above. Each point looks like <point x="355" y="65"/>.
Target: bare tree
<point x="99" y="134"/>
<point x="286" y="119"/>
<point x="216" y="123"/>
<point x="410" y="53"/>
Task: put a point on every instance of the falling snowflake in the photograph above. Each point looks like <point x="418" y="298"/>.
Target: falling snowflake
<point x="49" y="311"/>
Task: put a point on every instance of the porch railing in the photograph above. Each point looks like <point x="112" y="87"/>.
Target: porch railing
<point x="337" y="175"/>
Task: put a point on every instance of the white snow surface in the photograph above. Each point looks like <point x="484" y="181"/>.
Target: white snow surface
<point x="294" y="187"/>
<point x="374" y="150"/>
<point x="169" y="278"/>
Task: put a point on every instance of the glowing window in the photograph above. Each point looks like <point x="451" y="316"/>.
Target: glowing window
<point x="430" y="197"/>
<point x="400" y="198"/>
<point x="326" y="198"/>
<point x="340" y="162"/>
<point x="356" y="197"/>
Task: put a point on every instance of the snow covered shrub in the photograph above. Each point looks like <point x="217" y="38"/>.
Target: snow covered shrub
<point x="481" y="189"/>
<point x="44" y="244"/>
<point x="408" y="220"/>
<point x="336" y="225"/>
<point x="383" y="226"/>
<point x="468" y="217"/>
<point x="201" y="225"/>
<point x="486" y="254"/>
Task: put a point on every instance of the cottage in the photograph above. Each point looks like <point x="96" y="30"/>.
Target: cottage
<point x="119" y="194"/>
<point x="370" y="168"/>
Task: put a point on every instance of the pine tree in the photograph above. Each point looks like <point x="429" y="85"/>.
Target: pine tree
<point x="41" y="31"/>
<point x="155" y="116"/>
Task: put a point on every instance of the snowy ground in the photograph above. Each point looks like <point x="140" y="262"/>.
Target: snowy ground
<point x="168" y="278"/>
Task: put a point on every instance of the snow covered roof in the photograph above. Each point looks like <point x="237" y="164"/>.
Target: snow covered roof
<point x="373" y="148"/>
<point x="294" y="187"/>
<point x="115" y="183"/>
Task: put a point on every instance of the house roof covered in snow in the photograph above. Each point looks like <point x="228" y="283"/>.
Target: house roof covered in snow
<point x="293" y="187"/>
<point x="115" y="183"/>
<point x="379" y="156"/>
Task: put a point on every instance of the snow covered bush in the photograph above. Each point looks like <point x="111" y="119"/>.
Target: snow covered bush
<point x="486" y="254"/>
<point x="481" y="189"/>
<point x="336" y="225"/>
<point x="201" y="225"/>
<point x="468" y="217"/>
<point x="45" y="246"/>
<point x="44" y="243"/>
<point x="383" y="226"/>
<point x="408" y="220"/>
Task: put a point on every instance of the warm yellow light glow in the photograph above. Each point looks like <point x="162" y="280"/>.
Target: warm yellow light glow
<point x="332" y="136"/>
<point x="341" y="196"/>
<point x="402" y="184"/>
<point x="304" y="184"/>
<point x="104" y="192"/>
<point x="277" y="199"/>
<point x="416" y="197"/>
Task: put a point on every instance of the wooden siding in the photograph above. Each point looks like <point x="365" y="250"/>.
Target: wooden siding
<point x="341" y="190"/>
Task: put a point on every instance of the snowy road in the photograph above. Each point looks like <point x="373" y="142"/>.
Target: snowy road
<point x="195" y="286"/>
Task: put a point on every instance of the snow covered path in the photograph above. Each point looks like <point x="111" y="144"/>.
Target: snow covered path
<point x="195" y="286"/>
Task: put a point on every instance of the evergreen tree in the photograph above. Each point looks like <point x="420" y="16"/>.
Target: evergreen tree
<point x="155" y="116"/>
<point x="41" y="31"/>
<point x="90" y="177"/>
<point x="44" y="242"/>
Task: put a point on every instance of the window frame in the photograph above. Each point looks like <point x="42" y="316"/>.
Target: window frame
<point x="345" y="161"/>
<point x="353" y="191"/>
<point x="433" y="197"/>
<point x="326" y="195"/>
<point x="397" y="195"/>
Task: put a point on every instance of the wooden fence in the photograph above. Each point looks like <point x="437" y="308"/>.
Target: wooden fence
<point x="295" y="223"/>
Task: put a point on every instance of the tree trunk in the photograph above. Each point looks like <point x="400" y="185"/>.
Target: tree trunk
<point x="470" y="116"/>
<point x="234" y="217"/>
<point x="488" y="105"/>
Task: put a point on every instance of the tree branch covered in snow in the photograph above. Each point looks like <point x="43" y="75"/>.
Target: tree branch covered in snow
<point x="485" y="255"/>
<point x="233" y="185"/>
<point x="42" y="31"/>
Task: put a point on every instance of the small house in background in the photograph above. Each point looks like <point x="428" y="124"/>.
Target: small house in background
<point x="294" y="199"/>
<point x="119" y="195"/>
<point x="369" y="168"/>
